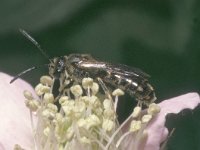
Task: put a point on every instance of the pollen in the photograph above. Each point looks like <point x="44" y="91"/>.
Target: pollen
<point x="28" y="95"/>
<point x="135" y="125"/>
<point x="136" y="111"/>
<point x="87" y="82"/>
<point x="40" y="89"/>
<point x="48" y="98"/>
<point x="117" y="92"/>
<point x="95" y="88"/>
<point x="146" y="118"/>
<point x="107" y="104"/>
<point x="108" y="125"/>
<point x="76" y="90"/>
<point x="46" y="80"/>
<point x="153" y="109"/>
<point x="33" y="105"/>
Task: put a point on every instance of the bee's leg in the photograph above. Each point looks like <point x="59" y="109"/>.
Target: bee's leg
<point x="64" y="92"/>
<point x="65" y="84"/>
<point x="105" y="89"/>
<point x="63" y="81"/>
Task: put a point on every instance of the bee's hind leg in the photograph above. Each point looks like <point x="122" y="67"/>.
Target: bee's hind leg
<point x="105" y="89"/>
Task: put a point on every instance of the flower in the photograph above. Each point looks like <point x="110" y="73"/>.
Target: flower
<point x="84" y="120"/>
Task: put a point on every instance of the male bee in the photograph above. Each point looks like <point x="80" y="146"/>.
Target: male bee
<point x="75" y="67"/>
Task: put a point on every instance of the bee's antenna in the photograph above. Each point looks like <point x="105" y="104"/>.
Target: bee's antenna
<point x="41" y="50"/>
<point x="24" y="72"/>
<point x="21" y="73"/>
<point x="34" y="42"/>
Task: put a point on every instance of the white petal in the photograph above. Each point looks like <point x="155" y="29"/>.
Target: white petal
<point x="15" y="125"/>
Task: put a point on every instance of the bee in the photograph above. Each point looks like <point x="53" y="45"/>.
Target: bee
<point x="75" y="67"/>
<point x="78" y="66"/>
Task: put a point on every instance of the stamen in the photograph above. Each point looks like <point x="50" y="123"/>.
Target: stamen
<point x="76" y="90"/>
<point x="136" y="112"/>
<point x="117" y="93"/>
<point x="46" y="80"/>
<point x="84" y="121"/>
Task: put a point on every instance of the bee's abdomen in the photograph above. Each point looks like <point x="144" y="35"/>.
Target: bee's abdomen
<point x="137" y="87"/>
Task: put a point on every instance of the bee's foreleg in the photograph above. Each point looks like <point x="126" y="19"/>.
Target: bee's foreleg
<point x="65" y="82"/>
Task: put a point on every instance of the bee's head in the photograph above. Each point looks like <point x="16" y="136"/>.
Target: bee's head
<point x="57" y="66"/>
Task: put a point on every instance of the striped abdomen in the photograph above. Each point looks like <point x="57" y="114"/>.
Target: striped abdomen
<point x="137" y="87"/>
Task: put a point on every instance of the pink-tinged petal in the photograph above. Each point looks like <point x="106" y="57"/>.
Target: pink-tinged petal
<point x="157" y="132"/>
<point x="15" y="127"/>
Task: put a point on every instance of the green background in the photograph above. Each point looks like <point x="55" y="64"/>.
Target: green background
<point x="160" y="37"/>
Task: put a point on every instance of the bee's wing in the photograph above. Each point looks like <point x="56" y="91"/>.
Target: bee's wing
<point x="117" y="69"/>
<point x="126" y="71"/>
